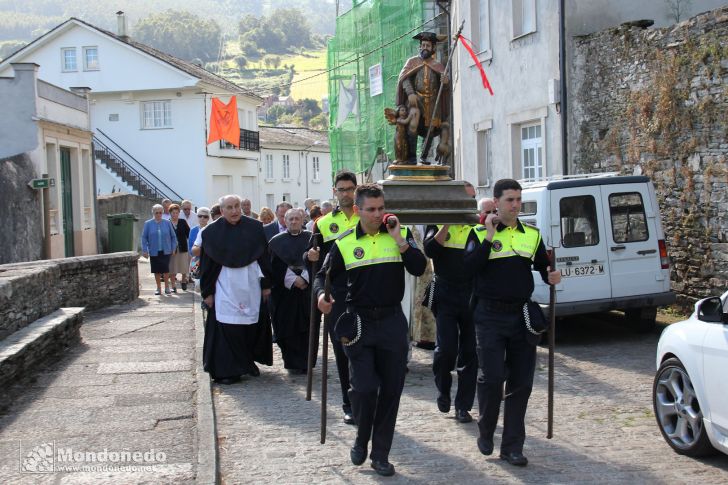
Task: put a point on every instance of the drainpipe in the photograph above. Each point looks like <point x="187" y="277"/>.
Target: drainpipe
<point x="562" y="74"/>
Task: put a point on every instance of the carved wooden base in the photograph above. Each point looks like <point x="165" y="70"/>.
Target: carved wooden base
<point x="419" y="173"/>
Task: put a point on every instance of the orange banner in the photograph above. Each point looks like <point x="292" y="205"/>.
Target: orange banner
<point x="224" y="123"/>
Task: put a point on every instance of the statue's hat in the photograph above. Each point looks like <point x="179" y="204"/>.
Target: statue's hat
<point x="430" y="36"/>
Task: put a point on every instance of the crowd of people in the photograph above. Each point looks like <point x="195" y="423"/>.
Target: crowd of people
<point x="259" y="274"/>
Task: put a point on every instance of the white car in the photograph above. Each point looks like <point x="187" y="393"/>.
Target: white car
<point x="690" y="391"/>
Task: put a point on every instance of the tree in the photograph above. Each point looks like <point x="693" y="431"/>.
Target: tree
<point x="241" y="62"/>
<point x="181" y="34"/>
<point x="275" y="61"/>
<point x="678" y="9"/>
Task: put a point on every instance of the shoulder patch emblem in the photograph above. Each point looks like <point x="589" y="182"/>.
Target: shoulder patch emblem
<point x="334" y="227"/>
<point x="497" y="245"/>
<point x="359" y="253"/>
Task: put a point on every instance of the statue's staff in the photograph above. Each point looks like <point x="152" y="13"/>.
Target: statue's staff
<point x="428" y="138"/>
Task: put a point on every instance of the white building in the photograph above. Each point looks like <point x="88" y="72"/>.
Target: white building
<point x="51" y="126"/>
<point x="295" y="166"/>
<point x="517" y="132"/>
<point x="149" y="114"/>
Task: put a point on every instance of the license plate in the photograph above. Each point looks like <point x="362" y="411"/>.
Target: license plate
<point x="582" y="270"/>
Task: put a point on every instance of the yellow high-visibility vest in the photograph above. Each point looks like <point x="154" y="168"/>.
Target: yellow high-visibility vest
<point x="369" y="250"/>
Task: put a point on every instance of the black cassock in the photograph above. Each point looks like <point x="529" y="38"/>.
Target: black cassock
<point x="230" y="350"/>
<point x="291" y="307"/>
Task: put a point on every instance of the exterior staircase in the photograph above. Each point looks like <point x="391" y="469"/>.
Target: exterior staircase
<point x="130" y="170"/>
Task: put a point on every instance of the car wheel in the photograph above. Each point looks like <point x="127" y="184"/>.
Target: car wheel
<point x="643" y="320"/>
<point x="678" y="412"/>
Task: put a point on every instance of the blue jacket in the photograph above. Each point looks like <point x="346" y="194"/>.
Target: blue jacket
<point x="191" y="239"/>
<point x="150" y="241"/>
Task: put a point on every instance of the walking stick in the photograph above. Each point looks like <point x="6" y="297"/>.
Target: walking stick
<point x="428" y="139"/>
<point x="312" y="333"/>
<point x="552" y="343"/>
<point x="325" y="359"/>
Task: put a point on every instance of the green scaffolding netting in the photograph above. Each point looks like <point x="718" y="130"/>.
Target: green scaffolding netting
<point x="360" y="140"/>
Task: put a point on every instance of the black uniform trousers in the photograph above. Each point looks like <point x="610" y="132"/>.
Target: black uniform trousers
<point x="377" y="363"/>
<point x="342" y="362"/>
<point x="503" y="351"/>
<point x="455" y="343"/>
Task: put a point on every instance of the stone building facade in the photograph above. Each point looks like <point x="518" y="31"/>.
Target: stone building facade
<point x="655" y="102"/>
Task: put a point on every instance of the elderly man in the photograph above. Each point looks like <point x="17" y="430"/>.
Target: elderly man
<point x="486" y="206"/>
<point x="291" y="295"/>
<point x="326" y="207"/>
<point x="235" y="282"/>
<point x="247" y="209"/>
<point x="279" y="225"/>
<point x="187" y="214"/>
<point x="165" y="206"/>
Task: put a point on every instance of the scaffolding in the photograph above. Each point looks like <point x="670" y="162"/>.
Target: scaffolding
<point x="363" y="139"/>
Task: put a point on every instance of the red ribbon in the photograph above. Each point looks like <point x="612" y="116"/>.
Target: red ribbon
<point x="467" y="46"/>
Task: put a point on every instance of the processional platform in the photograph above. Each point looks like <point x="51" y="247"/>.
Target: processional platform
<point x="426" y="194"/>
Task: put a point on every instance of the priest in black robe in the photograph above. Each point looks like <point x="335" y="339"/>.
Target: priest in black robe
<point x="291" y="294"/>
<point x="235" y="281"/>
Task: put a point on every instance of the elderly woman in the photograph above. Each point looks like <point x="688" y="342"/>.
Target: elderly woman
<point x="266" y="215"/>
<point x="180" y="261"/>
<point x="195" y="240"/>
<point x="159" y="242"/>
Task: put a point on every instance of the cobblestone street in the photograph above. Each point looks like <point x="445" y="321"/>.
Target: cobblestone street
<point x="604" y="427"/>
<point x="128" y="386"/>
<point x="132" y="384"/>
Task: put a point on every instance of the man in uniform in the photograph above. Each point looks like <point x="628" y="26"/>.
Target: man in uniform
<point x="417" y="87"/>
<point x="373" y="330"/>
<point x="325" y="232"/>
<point x="455" y="340"/>
<point x="502" y="256"/>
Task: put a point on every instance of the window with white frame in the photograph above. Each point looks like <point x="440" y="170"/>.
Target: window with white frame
<point x="91" y="58"/>
<point x="316" y="169"/>
<point x="483" y="162"/>
<point x="286" y="167"/>
<point x="270" y="200"/>
<point x="68" y="59"/>
<point x="531" y="152"/>
<point x="524" y="17"/>
<point x="480" y="25"/>
<point x="269" y="166"/>
<point x="156" y="114"/>
<point x="286" y="197"/>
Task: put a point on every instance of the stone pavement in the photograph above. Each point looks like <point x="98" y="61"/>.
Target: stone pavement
<point x="605" y="430"/>
<point x="130" y="385"/>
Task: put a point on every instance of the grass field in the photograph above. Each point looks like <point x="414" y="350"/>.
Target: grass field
<point x="264" y="79"/>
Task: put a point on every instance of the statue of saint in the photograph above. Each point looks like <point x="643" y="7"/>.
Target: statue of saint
<point x="417" y="88"/>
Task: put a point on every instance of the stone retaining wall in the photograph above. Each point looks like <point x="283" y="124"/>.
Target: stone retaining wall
<point x="29" y="291"/>
<point x="655" y="101"/>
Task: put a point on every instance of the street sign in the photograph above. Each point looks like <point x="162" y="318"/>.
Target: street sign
<point x="40" y="183"/>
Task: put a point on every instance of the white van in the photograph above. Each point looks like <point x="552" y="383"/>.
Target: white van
<point x="609" y="244"/>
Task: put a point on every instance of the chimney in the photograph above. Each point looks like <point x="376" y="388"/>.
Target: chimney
<point x="121" y="26"/>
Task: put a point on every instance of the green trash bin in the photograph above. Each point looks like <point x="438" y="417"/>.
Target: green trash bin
<point x="121" y="232"/>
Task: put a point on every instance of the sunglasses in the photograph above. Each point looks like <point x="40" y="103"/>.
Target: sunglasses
<point x="204" y="217"/>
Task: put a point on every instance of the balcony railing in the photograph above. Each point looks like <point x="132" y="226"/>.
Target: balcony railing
<point x="249" y="140"/>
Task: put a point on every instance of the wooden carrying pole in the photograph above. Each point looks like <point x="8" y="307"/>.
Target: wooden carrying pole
<point x="312" y="327"/>
<point x="325" y="359"/>
<point x="552" y="344"/>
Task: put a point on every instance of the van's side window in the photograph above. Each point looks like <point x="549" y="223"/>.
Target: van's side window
<point x="579" y="221"/>
<point x="629" y="223"/>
